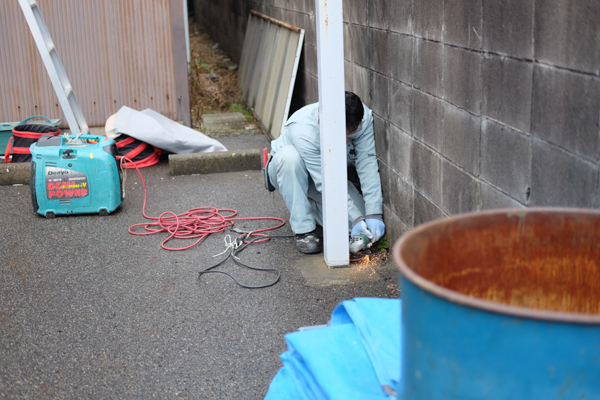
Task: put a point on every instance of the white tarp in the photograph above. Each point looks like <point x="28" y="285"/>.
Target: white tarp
<point x="159" y="131"/>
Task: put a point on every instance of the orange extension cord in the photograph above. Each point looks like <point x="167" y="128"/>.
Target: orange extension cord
<point x="196" y="223"/>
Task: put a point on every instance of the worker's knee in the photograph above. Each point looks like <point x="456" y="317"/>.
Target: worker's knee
<point x="288" y="161"/>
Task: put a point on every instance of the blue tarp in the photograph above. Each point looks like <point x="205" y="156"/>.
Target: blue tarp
<point x="357" y="356"/>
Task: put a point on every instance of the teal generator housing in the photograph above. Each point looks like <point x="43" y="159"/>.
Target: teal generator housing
<point x="75" y="178"/>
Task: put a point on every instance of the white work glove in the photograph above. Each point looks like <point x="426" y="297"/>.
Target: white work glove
<point x="361" y="228"/>
<point x="376" y="226"/>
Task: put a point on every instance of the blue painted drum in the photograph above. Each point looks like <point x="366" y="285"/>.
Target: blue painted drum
<point x="501" y="305"/>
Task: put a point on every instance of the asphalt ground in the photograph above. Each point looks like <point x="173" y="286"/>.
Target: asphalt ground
<point x="89" y="311"/>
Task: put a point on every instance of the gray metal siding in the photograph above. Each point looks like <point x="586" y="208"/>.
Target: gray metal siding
<point x="115" y="53"/>
<point x="268" y="69"/>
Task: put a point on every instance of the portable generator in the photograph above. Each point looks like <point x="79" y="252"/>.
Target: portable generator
<point x="78" y="175"/>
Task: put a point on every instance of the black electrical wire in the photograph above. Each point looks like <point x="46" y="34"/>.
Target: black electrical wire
<point x="233" y="254"/>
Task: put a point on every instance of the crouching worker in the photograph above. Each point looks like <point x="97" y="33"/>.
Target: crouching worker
<point x="295" y="170"/>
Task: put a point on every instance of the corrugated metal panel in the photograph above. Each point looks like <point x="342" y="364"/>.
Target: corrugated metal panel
<point x="115" y="53"/>
<point x="268" y="69"/>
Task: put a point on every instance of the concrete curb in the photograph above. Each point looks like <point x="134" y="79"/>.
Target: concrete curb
<point x="208" y="163"/>
<point x="179" y="164"/>
<point x="15" y="173"/>
<point x="224" y="122"/>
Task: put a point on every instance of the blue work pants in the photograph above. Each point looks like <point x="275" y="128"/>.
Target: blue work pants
<point x="288" y="173"/>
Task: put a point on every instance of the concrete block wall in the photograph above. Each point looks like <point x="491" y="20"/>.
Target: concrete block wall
<point x="478" y="104"/>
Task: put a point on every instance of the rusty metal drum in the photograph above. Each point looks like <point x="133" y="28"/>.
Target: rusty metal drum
<point x="502" y="304"/>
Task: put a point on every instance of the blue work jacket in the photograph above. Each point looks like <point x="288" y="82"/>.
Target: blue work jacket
<point x="360" y="149"/>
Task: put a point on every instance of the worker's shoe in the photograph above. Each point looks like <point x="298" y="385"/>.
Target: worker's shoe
<point x="308" y="243"/>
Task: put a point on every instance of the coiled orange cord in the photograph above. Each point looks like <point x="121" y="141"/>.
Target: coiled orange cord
<point x="196" y="223"/>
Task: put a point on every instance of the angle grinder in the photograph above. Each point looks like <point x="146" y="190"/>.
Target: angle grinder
<point x="359" y="247"/>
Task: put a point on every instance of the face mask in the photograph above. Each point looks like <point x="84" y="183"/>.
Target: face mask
<point x="355" y="133"/>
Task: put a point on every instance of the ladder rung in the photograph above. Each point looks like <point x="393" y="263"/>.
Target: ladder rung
<point x="51" y="48"/>
<point x="32" y="3"/>
<point x="68" y="91"/>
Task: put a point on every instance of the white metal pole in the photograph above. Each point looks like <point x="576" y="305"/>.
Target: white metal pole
<point x="187" y="32"/>
<point x="332" y="117"/>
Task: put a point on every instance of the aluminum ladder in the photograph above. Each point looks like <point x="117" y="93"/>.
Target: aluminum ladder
<point x="56" y="71"/>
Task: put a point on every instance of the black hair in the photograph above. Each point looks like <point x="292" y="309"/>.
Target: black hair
<point x="354" y="110"/>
